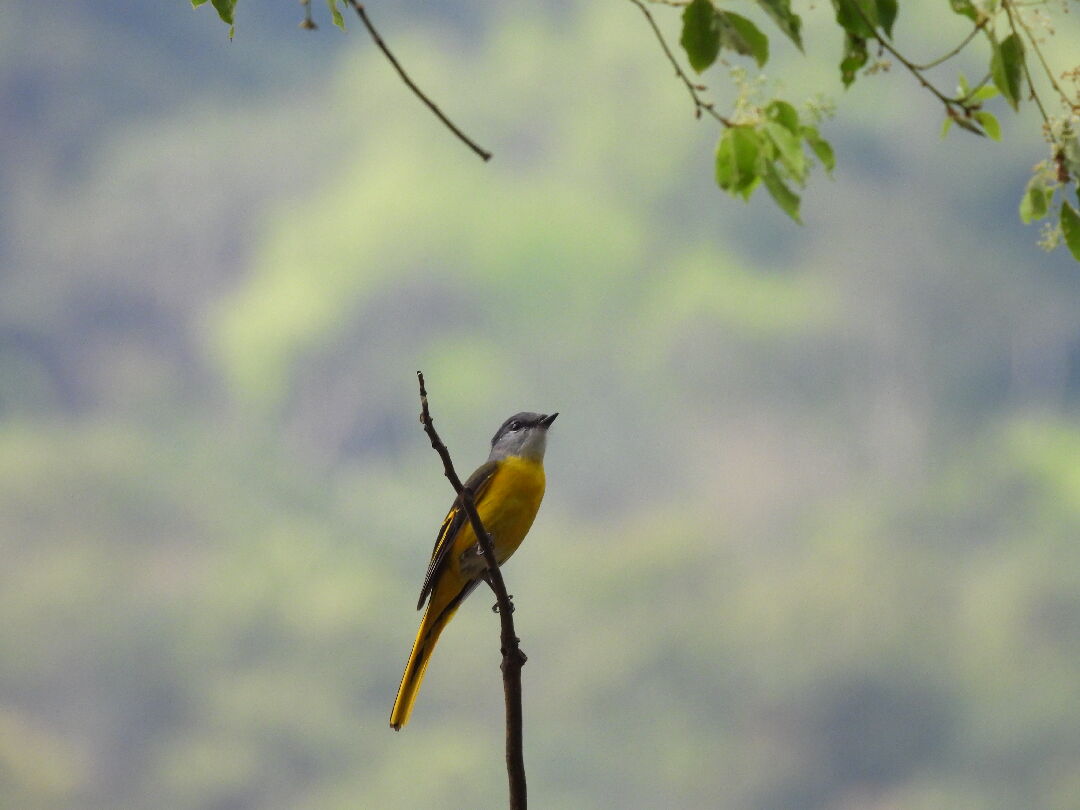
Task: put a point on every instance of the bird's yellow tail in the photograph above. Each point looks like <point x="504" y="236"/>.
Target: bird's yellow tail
<point x="431" y="626"/>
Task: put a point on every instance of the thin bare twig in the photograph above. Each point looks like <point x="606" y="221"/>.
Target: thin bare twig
<point x="915" y="70"/>
<point x="699" y="103"/>
<point x="512" y="656"/>
<point x="362" y="13"/>
<point x="978" y="27"/>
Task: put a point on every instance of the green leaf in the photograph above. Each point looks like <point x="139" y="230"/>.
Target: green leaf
<point x="1070" y="228"/>
<point x="786" y="20"/>
<point x="855" y="56"/>
<point x="857" y="17"/>
<point x="1035" y="204"/>
<point x="946" y="125"/>
<point x="737" y="161"/>
<point x="989" y="124"/>
<point x="789" y="147"/>
<point x="700" y="34"/>
<point x="740" y="35"/>
<point x="886" y="14"/>
<point x="335" y="14"/>
<point x="787" y="199"/>
<point x="225" y="11"/>
<point x="821" y="147"/>
<point x="1006" y="66"/>
<point x="784" y="114"/>
<point x="963" y="90"/>
<point x="987" y="91"/>
<point x="964" y="7"/>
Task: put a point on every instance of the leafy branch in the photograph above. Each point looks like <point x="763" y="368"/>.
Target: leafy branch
<point x="766" y="142"/>
<point x="1009" y="70"/>
<point x="950" y="102"/>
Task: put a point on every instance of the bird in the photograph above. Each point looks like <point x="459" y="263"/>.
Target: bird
<point x="507" y="490"/>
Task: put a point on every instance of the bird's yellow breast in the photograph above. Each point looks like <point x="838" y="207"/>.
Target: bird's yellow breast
<point x="508" y="506"/>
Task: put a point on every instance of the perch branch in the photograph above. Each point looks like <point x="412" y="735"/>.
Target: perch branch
<point x="512" y="656"/>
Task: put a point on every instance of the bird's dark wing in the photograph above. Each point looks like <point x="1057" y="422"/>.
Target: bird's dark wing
<point x="451" y="525"/>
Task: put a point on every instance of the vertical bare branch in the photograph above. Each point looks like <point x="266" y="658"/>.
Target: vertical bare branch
<point x="512" y="656"/>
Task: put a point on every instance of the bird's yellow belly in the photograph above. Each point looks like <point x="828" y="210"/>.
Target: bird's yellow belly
<point x="507" y="510"/>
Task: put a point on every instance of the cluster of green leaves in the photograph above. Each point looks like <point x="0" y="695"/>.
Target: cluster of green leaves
<point x="770" y="151"/>
<point x="767" y="143"/>
<point x="1051" y="177"/>
<point x="708" y="29"/>
<point x="767" y="146"/>
<point x="1008" y="70"/>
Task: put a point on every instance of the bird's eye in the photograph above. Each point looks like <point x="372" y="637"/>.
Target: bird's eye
<point x="515" y="425"/>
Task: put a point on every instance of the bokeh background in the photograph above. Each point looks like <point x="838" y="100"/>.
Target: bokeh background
<point x="810" y="538"/>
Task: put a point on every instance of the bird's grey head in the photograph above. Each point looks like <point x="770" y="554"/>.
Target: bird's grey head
<point x="523" y="434"/>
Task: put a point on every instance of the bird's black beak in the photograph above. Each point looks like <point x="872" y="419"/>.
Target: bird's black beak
<point x="545" y="421"/>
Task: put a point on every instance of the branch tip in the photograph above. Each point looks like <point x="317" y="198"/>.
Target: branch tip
<point x="361" y="12"/>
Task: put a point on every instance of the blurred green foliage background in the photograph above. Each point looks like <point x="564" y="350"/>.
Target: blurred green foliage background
<point x="810" y="538"/>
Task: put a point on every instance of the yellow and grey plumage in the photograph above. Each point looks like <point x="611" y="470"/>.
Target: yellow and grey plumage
<point x="507" y="490"/>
